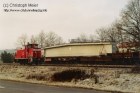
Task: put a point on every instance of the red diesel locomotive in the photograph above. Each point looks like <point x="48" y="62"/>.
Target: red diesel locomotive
<point x="31" y="54"/>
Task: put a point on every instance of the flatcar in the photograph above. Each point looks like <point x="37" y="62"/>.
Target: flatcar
<point x="90" y="53"/>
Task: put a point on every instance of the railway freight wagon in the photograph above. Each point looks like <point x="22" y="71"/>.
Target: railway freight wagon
<point x="79" y="53"/>
<point x="30" y="54"/>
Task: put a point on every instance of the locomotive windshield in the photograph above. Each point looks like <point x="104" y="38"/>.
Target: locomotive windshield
<point x="32" y="45"/>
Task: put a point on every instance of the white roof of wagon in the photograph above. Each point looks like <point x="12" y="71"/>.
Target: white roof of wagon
<point x="78" y="44"/>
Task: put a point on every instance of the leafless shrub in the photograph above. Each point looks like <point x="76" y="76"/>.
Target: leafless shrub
<point x="42" y="72"/>
<point x="94" y="76"/>
<point x="69" y="75"/>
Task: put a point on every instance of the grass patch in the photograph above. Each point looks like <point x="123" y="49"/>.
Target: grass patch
<point x="37" y="77"/>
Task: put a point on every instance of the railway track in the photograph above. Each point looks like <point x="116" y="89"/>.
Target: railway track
<point x="77" y="65"/>
<point x="100" y="66"/>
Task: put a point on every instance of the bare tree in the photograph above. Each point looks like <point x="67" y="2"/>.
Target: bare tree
<point x="102" y="34"/>
<point x="59" y="40"/>
<point x="22" y="40"/>
<point x="83" y="38"/>
<point x="92" y="38"/>
<point x="126" y="29"/>
<point x="53" y="39"/>
<point x="33" y="39"/>
<point x="131" y="20"/>
<point x="41" y="39"/>
<point x="114" y="33"/>
<point x="111" y="33"/>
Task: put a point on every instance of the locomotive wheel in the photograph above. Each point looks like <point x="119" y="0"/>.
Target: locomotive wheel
<point x="21" y="62"/>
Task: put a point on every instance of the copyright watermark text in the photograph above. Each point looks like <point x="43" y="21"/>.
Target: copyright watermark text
<point x="22" y="7"/>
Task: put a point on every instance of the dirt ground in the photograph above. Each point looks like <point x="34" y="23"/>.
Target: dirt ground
<point x="110" y="79"/>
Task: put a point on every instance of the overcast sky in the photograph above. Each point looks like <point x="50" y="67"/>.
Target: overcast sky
<point x="67" y="18"/>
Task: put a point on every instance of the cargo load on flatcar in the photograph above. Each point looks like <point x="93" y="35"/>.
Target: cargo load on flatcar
<point x="78" y="51"/>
